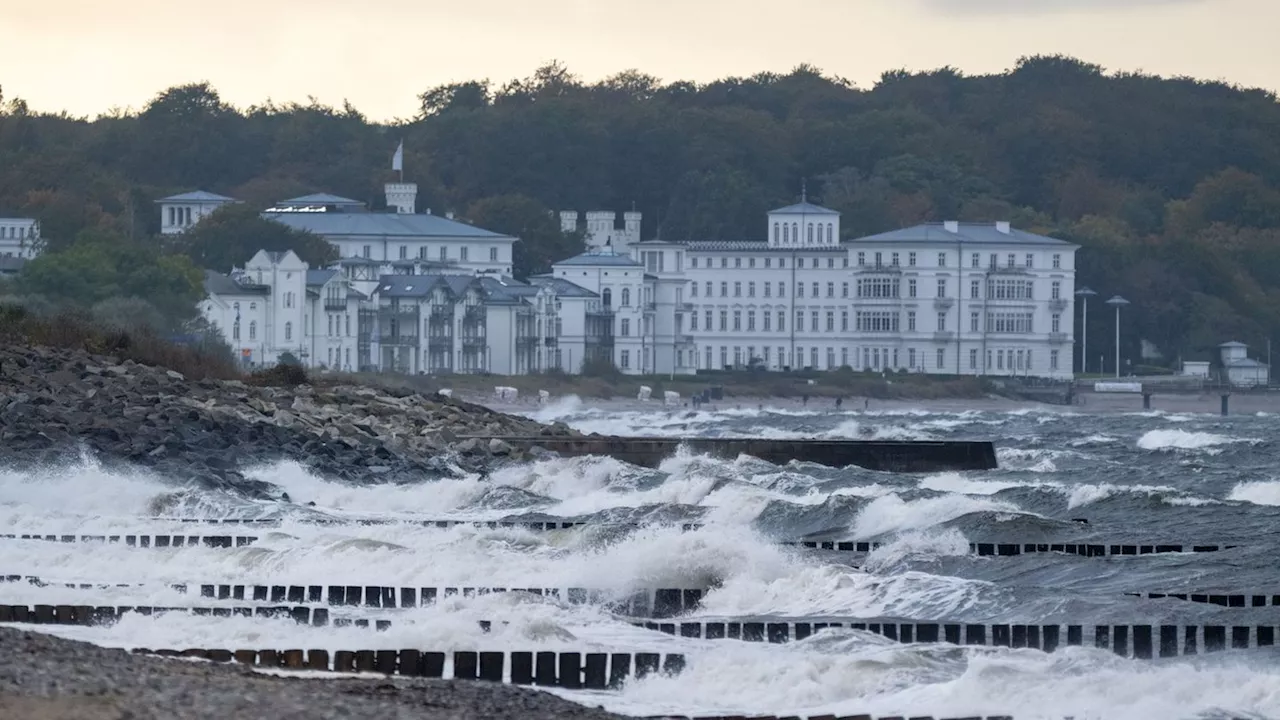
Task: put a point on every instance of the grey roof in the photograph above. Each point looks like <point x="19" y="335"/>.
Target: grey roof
<point x="562" y="287"/>
<point x="600" y="259"/>
<point x="215" y="283"/>
<point x="505" y="291"/>
<point x="1233" y="344"/>
<point x="321" y="199"/>
<point x="396" y="225"/>
<point x="197" y="196"/>
<point x="1244" y="363"/>
<point x="803" y="208"/>
<point x="981" y="233"/>
<point x="11" y="264"/>
<point x="759" y="246"/>
<point x="408" y="285"/>
<point x="319" y="277"/>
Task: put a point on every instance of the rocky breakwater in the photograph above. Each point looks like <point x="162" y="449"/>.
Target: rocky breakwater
<point x="55" y="403"/>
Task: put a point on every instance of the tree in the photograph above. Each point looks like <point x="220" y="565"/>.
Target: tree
<point x="102" y="266"/>
<point x="235" y="233"/>
<point x="541" y="240"/>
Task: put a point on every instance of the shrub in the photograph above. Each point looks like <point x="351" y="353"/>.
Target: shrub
<point x="282" y="375"/>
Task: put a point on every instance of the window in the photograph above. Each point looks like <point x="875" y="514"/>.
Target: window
<point x="911" y="321"/>
<point x="878" y="260"/>
<point x="462" y="253"/>
<point x="862" y="258"/>
<point x="693" y="322"/>
<point x="626" y="297"/>
<point x="831" y="263"/>
<point x="973" y="359"/>
<point x="751" y="320"/>
<point x="942" y="322"/>
<point x="992" y="263"/>
<point x="775" y="234"/>
<point x="288" y="331"/>
<point x="799" y="262"/>
<point x="724" y="289"/>
<point x="831" y="358"/>
<point x="1055" y="290"/>
<point x="975" y="260"/>
<point x="881" y="321"/>
<point x="1056" y="323"/>
<point x="831" y="289"/>
<point x="422" y="252"/>
<point x="830" y="232"/>
<point x="724" y="262"/>
<point x="404" y="252"/>
<point x="693" y="290"/>
<point x="693" y="262"/>
<point x="1009" y="322"/>
<point x="911" y="259"/>
<point x="443" y="254"/>
<point x="799" y="321"/>
<point x="724" y="356"/>
<point x="737" y="289"/>
<point x="625" y="361"/>
<point x="709" y="288"/>
<point x="942" y="287"/>
<point x="737" y="262"/>
<point x="330" y="332"/>
<point x="764" y="355"/>
<point x="815" y="290"/>
<point x="751" y="262"/>
<point x="1010" y="260"/>
<point x="893" y="259"/>
<point x="973" y="322"/>
<point x="768" y="289"/>
<point x="911" y="288"/>
<point x="368" y="251"/>
<point x="809" y="234"/>
<point x="975" y="289"/>
<point x="844" y="289"/>
<point x="607" y="297"/>
<point x="708" y="353"/>
<point x="813" y="357"/>
<point x="799" y="290"/>
<point x="813" y="321"/>
<point x="911" y="357"/>
<point x="235" y="330"/>
<point x="782" y="262"/>
<point x="768" y="262"/>
<point x="831" y="321"/>
<point x="1057" y="261"/>
<point x="737" y="320"/>
<point x="782" y="321"/>
<point x="626" y="327"/>
<point x="879" y="287"/>
<point x="724" y="321"/>
<point x="782" y="289"/>
<point x="707" y="317"/>
<point x="1030" y="259"/>
<point x="1009" y="289"/>
<point x="844" y="262"/>
<point x="737" y="356"/>
<point x="1053" y="359"/>
<point x="347" y="322"/>
<point x="493" y="254"/>
<point x="942" y="357"/>
<point x="942" y="260"/>
<point x="765" y="317"/>
<point x="786" y="234"/>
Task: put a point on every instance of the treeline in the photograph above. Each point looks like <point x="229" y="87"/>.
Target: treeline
<point x="1170" y="185"/>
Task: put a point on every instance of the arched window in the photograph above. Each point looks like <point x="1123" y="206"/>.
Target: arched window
<point x="626" y="297"/>
<point x="235" y="330"/>
<point x="288" y="331"/>
<point x="795" y="233"/>
<point x="810" y="233"/>
<point x="786" y="234"/>
<point x="608" y="297"/>
<point x="775" y="233"/>
<point x="253" y="329"/>
<point x="830" y="232"/>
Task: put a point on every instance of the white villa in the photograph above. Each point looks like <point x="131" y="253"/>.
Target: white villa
<point x="20" y="238"/>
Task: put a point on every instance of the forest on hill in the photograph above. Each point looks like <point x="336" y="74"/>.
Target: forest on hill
<point x="1170" y="185"/>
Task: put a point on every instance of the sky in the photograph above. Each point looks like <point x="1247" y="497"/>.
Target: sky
<point x="89" y="56"/>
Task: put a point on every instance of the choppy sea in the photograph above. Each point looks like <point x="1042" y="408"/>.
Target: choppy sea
<point x="1064" y="476"/>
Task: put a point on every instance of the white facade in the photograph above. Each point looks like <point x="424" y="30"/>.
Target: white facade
<point x="20" y="238"/>
<point x="947" y="298"/>
<point x="627" y="305"/>
<point x="179" y="212"/>
<point x="601" y="231"/>
<point x="1240" y="369"/>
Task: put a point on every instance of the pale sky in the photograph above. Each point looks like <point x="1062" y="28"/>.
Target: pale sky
<point x="86" y="56"/>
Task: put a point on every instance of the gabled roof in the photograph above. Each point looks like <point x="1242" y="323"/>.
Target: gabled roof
<point x="317" y="278"/>
<point x="215" y="283"/>
<point x="562" y="287"/>
<point x="321" y="199"/>
<point x="803" y="208"/>
<point x="197" y="196"/>
<point x="505" y="291"/>
<point x="978" y="233"/>
<point x="380" y="225"/>
<point x="599" y="259"/>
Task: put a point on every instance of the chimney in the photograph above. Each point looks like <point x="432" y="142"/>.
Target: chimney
<point x="402" y="197"/>
<point x="951" y="226"/>
<point x="449" y="215"/>
<point x="1003" y="226"/>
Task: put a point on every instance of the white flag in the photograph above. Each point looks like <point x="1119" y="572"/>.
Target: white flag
<point x="397" y="160"/>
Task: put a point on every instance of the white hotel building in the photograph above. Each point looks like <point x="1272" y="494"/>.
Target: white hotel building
<point x="942" y="298"/>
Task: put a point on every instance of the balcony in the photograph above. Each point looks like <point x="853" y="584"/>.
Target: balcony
<point x="387" y="338"/>
<point x="877" y="268"/>
<point x="335" y="304"/>
<point x="474" y="314"/>
<point x="1007" y="270"/>
<point x="1058" y="338"/>
<point x="551" y="342"/>
<point x="602" y="312"/>
<point x="1058" y="304"/>
<point x="526" y="341"/>
<point x="943" y="303"/>
<point x="943" y="336"/>
<point x="441" y="315"/>
<point x="650" y="307"/>
<point x="473" y="341"/>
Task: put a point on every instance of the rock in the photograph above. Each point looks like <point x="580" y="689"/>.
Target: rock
<point x="499" y="447"/>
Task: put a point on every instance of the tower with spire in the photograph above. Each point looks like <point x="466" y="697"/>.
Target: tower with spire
<point x="803" y="224"/>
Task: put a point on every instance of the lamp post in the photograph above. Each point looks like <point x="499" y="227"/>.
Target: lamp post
<point x="1117" y="302"/>
<point x="1084" y="294"/>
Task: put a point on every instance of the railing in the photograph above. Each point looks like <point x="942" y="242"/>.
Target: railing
<point x="525" y="341"/>
<point x="552" y="342"/>
<point x="1006" y="270"/>
<point x="472" y="341"/>
<point x="387" y="338"/>
<point x="878" y="268"/>
<point x="335" y="303"/>
<point x="943" y="336"/>
<point x="602" y="312"/>
<point x="474" y="313"/>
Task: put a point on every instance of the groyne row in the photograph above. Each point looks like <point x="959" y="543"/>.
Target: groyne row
<point x="980" y="548"/>
<point x="1130" y="641"/>
<point x="109" y="614"/>
<point x="824" y="717"/>
<point x="1230" y="601"/>
<point x="573" y="670"/>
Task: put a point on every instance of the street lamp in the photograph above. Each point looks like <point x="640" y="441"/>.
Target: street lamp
<point x="1117" y="302"/>
<point x="1084" y="294"/>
